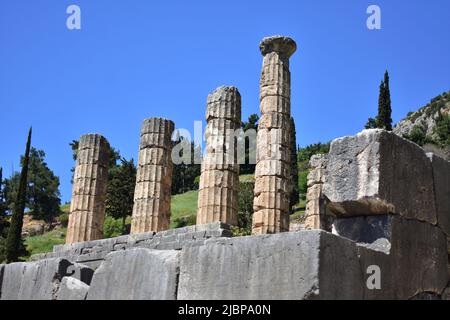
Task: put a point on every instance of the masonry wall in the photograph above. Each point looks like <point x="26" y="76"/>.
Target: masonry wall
<point x="390" y="206"/>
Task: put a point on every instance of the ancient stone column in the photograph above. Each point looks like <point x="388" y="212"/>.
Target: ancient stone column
<point x="151" y="210"/>
<point x="272" y="187"/>
<point x="87" y="208"/>
<point x="316" y="214"/>
<point x="219" y="180"/>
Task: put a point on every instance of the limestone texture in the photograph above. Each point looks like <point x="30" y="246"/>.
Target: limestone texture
<point x="271" y="199"/>
<point x="136" y="274"/>
<point x="377" y="172"/>
<point x="219" y="179"/>
<point x="151" y="209"/>
<point x="87" y="208"/>
<point x="72" y="289"/>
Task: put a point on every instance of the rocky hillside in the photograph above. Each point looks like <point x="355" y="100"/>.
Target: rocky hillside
<point x="425" y="118"/>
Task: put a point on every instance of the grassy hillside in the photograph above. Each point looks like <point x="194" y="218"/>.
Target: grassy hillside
<point x="45" y="242"/>
<point x="183" y="207"/>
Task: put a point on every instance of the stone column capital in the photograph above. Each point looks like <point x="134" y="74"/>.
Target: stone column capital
<point x="284" y="46"/>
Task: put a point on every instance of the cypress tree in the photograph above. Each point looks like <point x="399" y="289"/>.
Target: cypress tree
<point x="2" y="204"/>
<point x="294" y="194"/>
<point x="384" y="118"/>
<point x="14" y="243"/>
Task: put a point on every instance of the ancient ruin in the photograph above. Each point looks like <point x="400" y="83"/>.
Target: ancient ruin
<point x="87" y="209"/>
<point x="377" y="218"/>
<point x="219" y="180"/>
<point x="151" y="210"/>
<point x="271" y="202"/>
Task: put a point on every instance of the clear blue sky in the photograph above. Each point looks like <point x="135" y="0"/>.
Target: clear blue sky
<point x="135" y="59"/>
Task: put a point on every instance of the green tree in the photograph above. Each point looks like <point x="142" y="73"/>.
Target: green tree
<point x="294" y="195"/>
<point x="384" y="117"/>
<point x="250" y="124"/>
<point x="442" y="130"/>
<point x="114" y="155"/>
<point x="245" y="208"/>
<point x="184" y="174"/>
<point x="3" y="207"/>
<point x="371" y="124"/>
<point x="42" y="196"/>
<point x="120" y="191"/>
<point x="14" y="242"/>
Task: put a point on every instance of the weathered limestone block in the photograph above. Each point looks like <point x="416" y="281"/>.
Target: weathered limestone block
<point x="412" y="254"/>
<point x="316" y="214"/>
<point x="38" y="280"/>
<point x="87" y="208"/>
<point x="151" y="209"/>
<point x="441" y="178"/>
<point x="224" y="103"/>
<point x="301" y="265"/>
<point x="272" y="168"/>
<point x="220" y="161"/>
<point x="219" y="180"/>
<point x="136" y="274"/>
<point x="273" y="137"/>
<point x="270" y="221"/>
<point x="273" y="152"/>
<point x="71" y="289"/>
<point x="273" y="120"/>
<point x="377" y="172"/>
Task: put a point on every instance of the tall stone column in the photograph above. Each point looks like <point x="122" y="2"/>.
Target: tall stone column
<point x="219" y="180"/>
<point x="151" y="210"/>
<point x="272" y="187"/>
<point x="87" y="208"/>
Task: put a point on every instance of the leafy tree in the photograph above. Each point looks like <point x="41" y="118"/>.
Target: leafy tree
<point x="371" y="123"/>
<point x="184" y="174"/>
<point x="120" y="191"/>
<point x="250" y="124"/>
<point x="114" y="155"/>
<point x="245" y="208"/>
<point x="42" y="196"/>
<point x="442" y="130"/>
<point x="417" y="135"/>
<point x="384" y="118"/>
<point x="14" y="242"/>
<point x="303" y="183"/>
<point x="294" y="196"/>
<point x="3" y="206"/>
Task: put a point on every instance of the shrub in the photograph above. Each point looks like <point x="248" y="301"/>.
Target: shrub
<point x="64" y="219"/>
<point x="112" y="227"/>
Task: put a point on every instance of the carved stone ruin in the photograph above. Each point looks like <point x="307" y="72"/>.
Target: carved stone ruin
<point x="271" y="199"/>
<point x="316" y="214"/>
<point x="385" y="200"/>
<point x="87" y="209"/>
<point x="151" y="210"/>
<point x="219" y="180"/>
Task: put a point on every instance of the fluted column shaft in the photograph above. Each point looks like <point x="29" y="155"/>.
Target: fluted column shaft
<point x="272" y="186"/>
<point x="152" y="195"/>
<point x="219" y="180"/>
<point x="87" y="208"/>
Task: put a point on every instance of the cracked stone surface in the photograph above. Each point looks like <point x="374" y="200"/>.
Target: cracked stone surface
<point x="151" y="209"/>
<point x="87" y="208"/>
<point x="219" y="179"/>
<point x="271" y="203"/>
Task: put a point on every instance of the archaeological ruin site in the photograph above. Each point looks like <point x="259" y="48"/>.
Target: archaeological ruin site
<point x="377" y="221"/>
